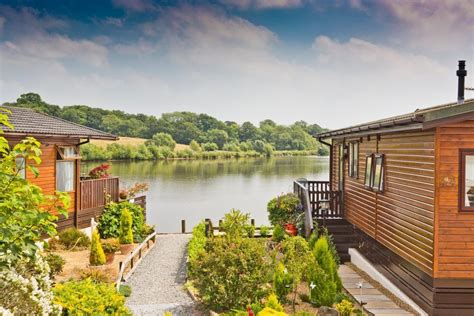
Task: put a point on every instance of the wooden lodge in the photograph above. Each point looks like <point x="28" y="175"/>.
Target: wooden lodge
<point x="60" y="169"/>
<point x="405" y="187"/>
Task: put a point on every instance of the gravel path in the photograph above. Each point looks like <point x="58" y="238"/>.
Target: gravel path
<point x="158" y="282"/>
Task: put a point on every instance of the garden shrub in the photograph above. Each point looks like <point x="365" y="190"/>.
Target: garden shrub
<point x="267" y="311"/>
<point x="111" y="245"/>
<point x="125" y="290"/>
<point x="126" y="234"/>
<point x="282" y="209"/>
<point x="345" y="308"/>
<point x="342" y="296"/>
<point x="234" y="223"/>
<point x="147" y="230"/>
<point x="273" y="303"/>
<point x="95" y="275"/>
<point x="73" y="238"/>
<point x="282" y="282"/>
<point x="88" y="298"/>
<point x="56" y="264"/>
<point x="249" y="230"/>
<point x="194" y="145"/>
<point x="232" y="273"/>
<point x="97" y="255"/>
<point x="325" y="259"/>
<point x="109" y="221"/>
<point x="196" y="245"/>
<point x="322" y="289"/>
<point x="264" y="231"/>
<point x="278" y="233"/>
<point x="296" y="256"/>
<point x="312" y="239"/>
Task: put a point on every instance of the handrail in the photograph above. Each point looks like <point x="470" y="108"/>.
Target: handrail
<point x="129" y="260"/>
<point x="303" y="193"/>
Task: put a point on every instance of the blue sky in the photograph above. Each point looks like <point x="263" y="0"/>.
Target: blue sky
<point x="335" y="63"/>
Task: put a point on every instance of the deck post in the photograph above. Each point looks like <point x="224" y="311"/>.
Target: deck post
<point x="183" y="226"/>
<point x="252" y="222"/>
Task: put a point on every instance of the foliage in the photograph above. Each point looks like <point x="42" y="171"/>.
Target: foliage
<point x="163" y="139"/>
<point x="209" y="146"/>
<point x="109" y="221"/>
<point x="194" y="145"/>
<point x="196" y="246"/>
<point x="26" y="288"/>
<point x="312" y="239"/>
<point x="249" y="230"/>
<point x="99" y="172"/>
<point x="111" y="245"/>
<point x="97" y="255"/>
<point x="332" y="245"/>
<point x="267" y="311"/>
<point x="273" y="303"/>
<point x="137" y="188"/>
<point x="55" y="263"/>
<point x="126" y="233"/>
<point x="125" y="290"/>
<point x="86" y="298"/>
<point x="264" y="231"/>
<point x="73" y="237"/>
<point x="282" y="209"/>
<point x="325" y="259"/>
<point x="278" y="233"/>
<point x="282" y="282"/>
<point x="345" y="308"/>
<point x="296" y="256"/>
<point x="342" y="296"/>
<point x="95" y="275"/>
<point x="234" y="223"/>
<point x="25" y="212"/>
<point x="232" y="273"/>
<point x="147" y="230"/>
<point x="321" y="286"/>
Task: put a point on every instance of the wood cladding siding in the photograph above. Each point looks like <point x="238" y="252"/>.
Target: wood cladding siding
<point x="401" y="217"/>
<point x="455" y="230"/>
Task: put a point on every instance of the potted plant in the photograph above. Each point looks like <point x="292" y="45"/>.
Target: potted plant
<point x="123" y="194"/>
<point x="110" y="246"/>
<point x="126" y="233"/>
<point x="291" y="229"/>
<point x="100" y="172"/>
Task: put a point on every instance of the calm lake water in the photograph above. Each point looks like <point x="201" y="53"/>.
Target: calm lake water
<point x="198" y="189"/>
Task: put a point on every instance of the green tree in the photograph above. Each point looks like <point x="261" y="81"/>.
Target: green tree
<point x="247" y="131"/>
<point x="218" y="137"/>
<point x="163" y="139"/>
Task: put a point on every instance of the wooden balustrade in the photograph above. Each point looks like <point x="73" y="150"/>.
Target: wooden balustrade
<point x="96" y="192"/>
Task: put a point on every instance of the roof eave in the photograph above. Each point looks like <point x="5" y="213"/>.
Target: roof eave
<point x="104" y="137"/>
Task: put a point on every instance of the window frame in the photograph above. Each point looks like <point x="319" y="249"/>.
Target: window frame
<point x="463" y="152"/>
<point x="61" y="158"/>
<point x="369" y="176"/>
<point x="21" y="171"/>
<point x="380" y="187"/>
<point x="353" y="167"/>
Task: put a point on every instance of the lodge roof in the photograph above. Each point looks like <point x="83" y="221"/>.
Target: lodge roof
<point x="29" y="122"/>
<point x="419" y="119"/>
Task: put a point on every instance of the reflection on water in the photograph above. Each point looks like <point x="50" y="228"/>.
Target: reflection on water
<point x="198" y="189"/>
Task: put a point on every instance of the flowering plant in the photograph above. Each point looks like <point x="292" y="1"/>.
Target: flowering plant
<point x="137" y="188"/>
<point x="100" y="172"/>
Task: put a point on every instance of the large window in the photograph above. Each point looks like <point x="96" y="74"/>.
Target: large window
<point x="353" y="160"/>
<point x="374" y="172"/>
<point x="466" y="178"/>
<point x="66" y="168"/>
<point x="21" y="167"/>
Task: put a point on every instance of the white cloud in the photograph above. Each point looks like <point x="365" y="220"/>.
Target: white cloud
<point x="264" y="4"/>
<point x="134" y="5"/>
<point x="138" y="48"/>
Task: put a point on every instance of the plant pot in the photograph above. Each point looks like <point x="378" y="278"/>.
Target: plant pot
<point x="109" y="257"/>
<point x="291" y="230"/>
<point x="126" y="249"/>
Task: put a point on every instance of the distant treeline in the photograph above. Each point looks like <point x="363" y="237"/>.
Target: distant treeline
<point x="211" y="134"/>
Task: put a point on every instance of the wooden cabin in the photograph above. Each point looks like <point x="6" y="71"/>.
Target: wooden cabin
<point x="401" y="193"/>
<point x="60" y="169"/>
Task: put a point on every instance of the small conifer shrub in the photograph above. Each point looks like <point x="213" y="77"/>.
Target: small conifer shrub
<point x="126" y="234"/>
<point x="97" y="255"/>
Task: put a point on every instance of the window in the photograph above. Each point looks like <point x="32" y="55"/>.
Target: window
<point x="374" y="172"/>
<point x="21" y="167"/>
<point x="353" y="160"/>
<point x="466" y="177"/>
<point x="66" y="168"/>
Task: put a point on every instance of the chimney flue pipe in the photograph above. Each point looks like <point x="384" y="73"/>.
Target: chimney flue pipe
<point x="461" y="73"/>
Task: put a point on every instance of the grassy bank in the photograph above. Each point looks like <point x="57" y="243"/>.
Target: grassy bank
<point x="125" y="150"/>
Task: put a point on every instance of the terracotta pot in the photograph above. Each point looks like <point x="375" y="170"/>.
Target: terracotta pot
<point x="109" y="257"/>
<point x="126" y="249"/>
<point x="291" y="230"/>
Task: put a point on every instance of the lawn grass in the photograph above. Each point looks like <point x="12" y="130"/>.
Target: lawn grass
<point x="134" y="141"/>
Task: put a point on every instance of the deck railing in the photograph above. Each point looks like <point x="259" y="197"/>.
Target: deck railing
<point x="323" y="201"/>
<point x="97" y="192"/>
<point x="300" y="188"/>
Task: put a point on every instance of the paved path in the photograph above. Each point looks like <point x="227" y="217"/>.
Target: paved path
<point x="158" y="282"/>
<point x="377" y="303"/>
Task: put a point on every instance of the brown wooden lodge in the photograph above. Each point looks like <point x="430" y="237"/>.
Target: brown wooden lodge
<point x="401" y="192"/>
<point x="60" y="169"/>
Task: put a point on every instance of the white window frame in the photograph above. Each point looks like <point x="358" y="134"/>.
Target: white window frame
<point x="66" y="161"/>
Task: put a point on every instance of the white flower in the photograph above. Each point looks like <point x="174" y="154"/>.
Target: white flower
<point x="360" y="284"/>
<point x="312" y="285"/>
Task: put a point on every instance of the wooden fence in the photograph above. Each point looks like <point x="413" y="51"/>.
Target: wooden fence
<point x="97" y="192"/>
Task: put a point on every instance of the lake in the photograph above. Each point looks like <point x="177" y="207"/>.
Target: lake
<point x="198" y="189"/>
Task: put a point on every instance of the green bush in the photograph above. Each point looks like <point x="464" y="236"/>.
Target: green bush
<point x="345" y="308"/>
<point x="322" y="289"/>
<point x="325" y="259"/>
<point x="196" y="245"/>
<point x="296" y="256"/>
<point x="312" y="239"/>
<point x="278" y="233"/>
<point x="162" y="139"/>
<point x="109" y="221"/>
<point x="264" y="231"/>
<point x="194" y="145"/>
<point x="88" y="298"/>
<point x="273" y="303"/>
<point x="56" y="264"/>
<point x="95" y="275"/>
<point x="111" y="245"/>
<point x="125" y="290"/>
<point x="209" y="147"/>
<point x="126" y="233"/>
<point x="73" y="238"/>
<point x="282" y="282"/>
<point x="282" y="209"/>
<point x="234" y="223"/>
<point x="97" y="255"/>
<point x="250" y="230"/>
<point x="232" y="273"/>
